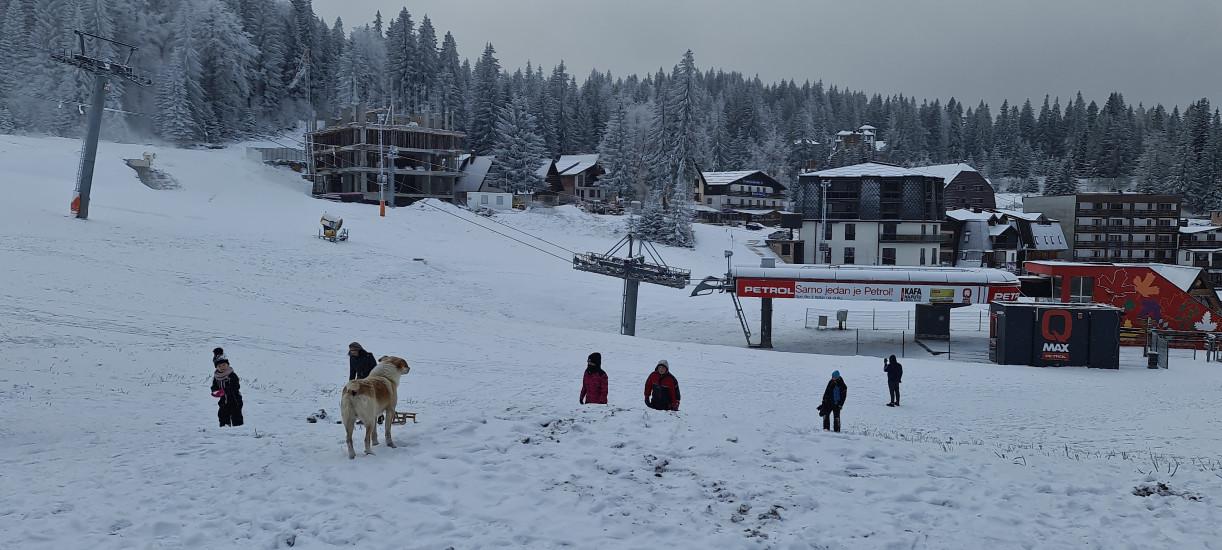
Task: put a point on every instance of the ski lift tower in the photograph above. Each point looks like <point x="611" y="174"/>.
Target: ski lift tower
<point x="633" y="269"/>
<point x="101" y="69"/>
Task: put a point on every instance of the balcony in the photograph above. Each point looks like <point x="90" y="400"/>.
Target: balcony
<point x="897" y="238"/>
<point x="1124" y="245"/>
<point x="1090" y="228"/>
<point x="1127" y="213"/>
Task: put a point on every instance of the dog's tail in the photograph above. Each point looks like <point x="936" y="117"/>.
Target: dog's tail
<point x="347" y="404"/>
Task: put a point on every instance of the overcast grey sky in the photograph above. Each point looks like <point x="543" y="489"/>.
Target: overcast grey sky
<point x="1167" y="51"/>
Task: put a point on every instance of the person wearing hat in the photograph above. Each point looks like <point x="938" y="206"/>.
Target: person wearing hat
<point x="217" y="355"/>
<point x="360" y="362"/>
<point x="662" y="389"/>
<point x="833" y="400"/>
<point x="228" y="390"/>
<point x="594" y="383"/>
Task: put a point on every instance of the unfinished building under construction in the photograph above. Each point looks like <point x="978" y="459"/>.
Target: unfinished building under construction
<point x="421" y="158"/>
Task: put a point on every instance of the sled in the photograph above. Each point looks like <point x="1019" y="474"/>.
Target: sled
<point x="332" y="229"/>
<point x="402" y="418"/>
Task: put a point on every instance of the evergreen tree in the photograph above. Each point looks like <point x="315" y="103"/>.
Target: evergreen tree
<point x="615" y="154"/>
<point x="518" y="148"/>
<point x="486" y="100"/>
<point x="427" y="66"/>
<point x="1064" y="182"/>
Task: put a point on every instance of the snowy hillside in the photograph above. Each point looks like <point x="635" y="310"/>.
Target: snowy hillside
<point x="110" y="437"/>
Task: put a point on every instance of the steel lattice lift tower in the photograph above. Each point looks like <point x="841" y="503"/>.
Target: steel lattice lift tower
<point x="633" y="269"/>
<point x="101" y="70"/>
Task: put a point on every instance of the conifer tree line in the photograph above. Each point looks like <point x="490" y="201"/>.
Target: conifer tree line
<point x="229" y="69"/>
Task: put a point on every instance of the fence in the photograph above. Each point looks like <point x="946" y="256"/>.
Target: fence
<point x="961" y="319"/>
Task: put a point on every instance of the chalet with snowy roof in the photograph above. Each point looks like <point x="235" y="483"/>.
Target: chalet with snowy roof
<point x="578" y="176"/>
<point x="743" y="189"/>
<point x="474" y="178"/>
<point x="876" y="214"/>
<point x="965" y="186"/>
<point x="1002" y="239"/>
<point x="866" y="134"/>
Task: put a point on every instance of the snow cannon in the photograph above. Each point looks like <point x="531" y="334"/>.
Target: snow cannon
<point x="332" y="229"/>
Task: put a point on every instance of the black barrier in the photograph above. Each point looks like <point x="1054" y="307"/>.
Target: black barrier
<point x="1054" y="335"/>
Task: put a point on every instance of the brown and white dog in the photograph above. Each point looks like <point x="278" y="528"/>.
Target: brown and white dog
<point x="366" y="398"/>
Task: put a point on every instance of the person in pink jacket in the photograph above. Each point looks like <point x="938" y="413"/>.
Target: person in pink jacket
<point x="594" y="383"/>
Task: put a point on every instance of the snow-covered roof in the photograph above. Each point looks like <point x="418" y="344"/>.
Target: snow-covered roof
<point x="964" y="214"/>
<point x="1199" y="229"/>
<point x="867" y="127"/>
<point x="1029" y="216"/>
<point x="473" y="174"/>
<point x="763" y="212"/>
<point x="571" y="165"/>
<point x="1180" y="275"/>
<point x="1048" y="237"/>
<point x="874" y="169"/>
<point x="880" y="145"/>
<point x="947" y="172"/>
<point x="723" y="178"/>
<point x="544" y="169"/>
<point x="997" y="230"/>
<point x="844" y="133"/>
<point x="705" y="208"/>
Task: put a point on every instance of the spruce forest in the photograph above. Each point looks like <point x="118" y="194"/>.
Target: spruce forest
<point x="226" y="70"/>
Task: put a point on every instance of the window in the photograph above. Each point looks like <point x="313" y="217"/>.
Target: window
<point x="708" y="200"/>
<point x="827" y="232"/>
<point x="850" y="255"/>
<point x="967" y="234"/>
<point x="933" y="256"/>
<point x="500" y="201"/>
<point x="922" y="254"/>
<point x="1166" y="206"/>
<point x="850" y="231"/>
<point x="888" y="256"/>
<point x="923" y="229"/>
<point x="483" y="199"/>
<point x="889" y="229"/>
<point x="1116" y="222"/>
<point x="1164" y="223"/>
<point x="937" y="228"/>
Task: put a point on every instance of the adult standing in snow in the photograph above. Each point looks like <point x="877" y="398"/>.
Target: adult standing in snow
<point x="895" y="371"/>
<point x="360" y="362"/>
<point x="662" y="389"/>
<point x="227" y="388"/>
<point x="833" y="400"/>
<point x="594" y="383"/>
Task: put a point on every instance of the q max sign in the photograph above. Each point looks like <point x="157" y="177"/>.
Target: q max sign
<point x="873" y="292"/>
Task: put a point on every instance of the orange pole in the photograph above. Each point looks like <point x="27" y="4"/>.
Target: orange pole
<point x="382" y="208"/>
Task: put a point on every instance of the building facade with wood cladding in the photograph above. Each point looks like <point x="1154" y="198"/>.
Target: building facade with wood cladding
<point x="966" y="187"/>
<point x="877" y="214"/>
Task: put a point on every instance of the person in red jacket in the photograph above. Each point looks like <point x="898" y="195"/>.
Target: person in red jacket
<point x="662" y="389"/>
<point x="594" y="383"/>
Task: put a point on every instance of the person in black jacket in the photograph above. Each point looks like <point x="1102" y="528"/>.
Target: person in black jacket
<point x="360" y="362"/>
<point x="228" y="389"/>
<point x="833" y="400"/>
<point x="895" y="371"/>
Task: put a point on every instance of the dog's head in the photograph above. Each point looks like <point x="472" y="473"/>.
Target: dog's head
<point x="391" y="365"/>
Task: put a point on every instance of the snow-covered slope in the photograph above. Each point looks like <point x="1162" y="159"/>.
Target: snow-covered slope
<point x="110" y="437"/>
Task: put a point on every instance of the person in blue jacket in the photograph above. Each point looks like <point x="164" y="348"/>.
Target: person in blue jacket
<point x="833" y="400"/>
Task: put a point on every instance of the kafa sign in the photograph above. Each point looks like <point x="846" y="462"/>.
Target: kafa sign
<point x="870" y="292"/>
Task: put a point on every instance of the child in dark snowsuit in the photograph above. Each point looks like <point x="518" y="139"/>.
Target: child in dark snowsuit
<point x="662" y="389"/>
<point x="594" y="383"/>
<point x="833" y="400"/>
<point x="228" y="389"/>
<point x="895" y="372"/>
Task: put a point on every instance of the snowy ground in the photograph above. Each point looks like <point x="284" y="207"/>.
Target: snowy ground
<point x="110" y="438"/>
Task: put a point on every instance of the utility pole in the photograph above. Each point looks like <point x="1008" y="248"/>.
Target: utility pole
<point x="101" y="70"/>
<point x="382" y="163"/>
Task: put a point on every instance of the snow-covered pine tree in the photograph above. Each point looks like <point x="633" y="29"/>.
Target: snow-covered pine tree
<point x="771" y="155"/>
<point x="518" y="148"/>
<point x="427" y="65"/>
<point x="400" y="53"/>
<point x="676" y="128"/>
<point x="226" y="56"/>
<point x="1064" y="182"/>
<point x="177" y="91"/>
<point x="1153" y="173"/>
<point x="486" y="102"/>
<point x="615" y="154"/>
